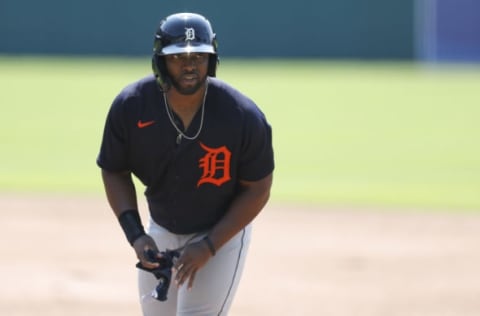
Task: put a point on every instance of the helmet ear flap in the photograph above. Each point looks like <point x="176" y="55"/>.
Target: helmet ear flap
<point x="213" y="61"/>
<point x="160" y="70"/>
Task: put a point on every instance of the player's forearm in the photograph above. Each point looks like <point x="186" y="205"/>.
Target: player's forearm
<point x="244" y="208"/>
<point x="120" y="191"/>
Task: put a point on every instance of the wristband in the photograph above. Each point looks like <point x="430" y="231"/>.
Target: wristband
<point x="131" y="225"/>
<point x="210" y="245"/>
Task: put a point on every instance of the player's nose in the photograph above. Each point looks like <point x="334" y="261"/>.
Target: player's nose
<point x="189" y="62"/>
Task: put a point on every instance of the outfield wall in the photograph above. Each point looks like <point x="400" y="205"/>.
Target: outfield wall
<point x="433" y="30"/>
<point x="367" y="29"/>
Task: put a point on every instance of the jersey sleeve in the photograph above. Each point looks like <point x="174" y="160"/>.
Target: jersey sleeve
<point x="113" y="149"/>
<point x="257" y="159"/>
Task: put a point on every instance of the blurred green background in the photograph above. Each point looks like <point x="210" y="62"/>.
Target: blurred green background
<point x="345" y="133"/>
<point x="366" y="105"/>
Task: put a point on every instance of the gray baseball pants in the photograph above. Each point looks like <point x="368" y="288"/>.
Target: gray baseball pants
<point x="214" y="286"/>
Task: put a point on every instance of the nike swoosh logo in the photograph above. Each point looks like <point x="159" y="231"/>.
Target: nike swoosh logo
<point x="141" y="124"/>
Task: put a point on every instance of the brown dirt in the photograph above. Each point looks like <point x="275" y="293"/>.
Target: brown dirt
<point x="64" y="255"/>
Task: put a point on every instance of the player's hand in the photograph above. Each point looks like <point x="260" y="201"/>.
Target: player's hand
<point x="141" y="246"/>
<point x="193" y="258"/>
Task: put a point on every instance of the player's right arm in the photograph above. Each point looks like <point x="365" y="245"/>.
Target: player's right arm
<point x="122" y="197"/>
<point x="120" y="191"/>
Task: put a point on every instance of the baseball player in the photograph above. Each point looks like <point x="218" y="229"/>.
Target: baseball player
<point x="204" y="152"/>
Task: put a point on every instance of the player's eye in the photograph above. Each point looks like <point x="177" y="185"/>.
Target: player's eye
<point x="173" y="57"/>
<point x="199" y="57"/>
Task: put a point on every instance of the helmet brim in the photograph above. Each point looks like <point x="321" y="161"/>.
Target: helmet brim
<point x="185" y="48"/>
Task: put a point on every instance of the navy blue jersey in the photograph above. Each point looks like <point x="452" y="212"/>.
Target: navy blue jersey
<point x="189" y="185"/>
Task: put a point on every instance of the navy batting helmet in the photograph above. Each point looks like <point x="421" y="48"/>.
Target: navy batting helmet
<point x="183" y="33"/>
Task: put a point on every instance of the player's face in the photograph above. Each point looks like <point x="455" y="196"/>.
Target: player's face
<point x="188" y="71"/>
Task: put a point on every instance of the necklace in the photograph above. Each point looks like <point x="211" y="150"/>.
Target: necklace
<point x="179" y="131"/>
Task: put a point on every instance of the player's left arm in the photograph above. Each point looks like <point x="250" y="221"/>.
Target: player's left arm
<point x="249" y="201"/>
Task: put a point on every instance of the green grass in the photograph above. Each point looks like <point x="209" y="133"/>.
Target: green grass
<point x="394" y="134"/>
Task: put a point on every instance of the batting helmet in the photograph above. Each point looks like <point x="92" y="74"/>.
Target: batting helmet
<point x="183" y="33"/>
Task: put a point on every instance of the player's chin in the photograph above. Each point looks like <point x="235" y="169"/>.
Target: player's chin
<point x="188" y="86"/>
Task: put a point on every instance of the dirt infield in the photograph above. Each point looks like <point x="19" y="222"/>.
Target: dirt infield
<point x="65" y="255"/>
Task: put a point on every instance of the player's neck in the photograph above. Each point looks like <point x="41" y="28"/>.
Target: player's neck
<point x="181" y="103"/>
<point x="185" y="106"/>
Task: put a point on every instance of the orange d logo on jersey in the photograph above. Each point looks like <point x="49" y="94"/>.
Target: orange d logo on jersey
<point x="215" y="165"/>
